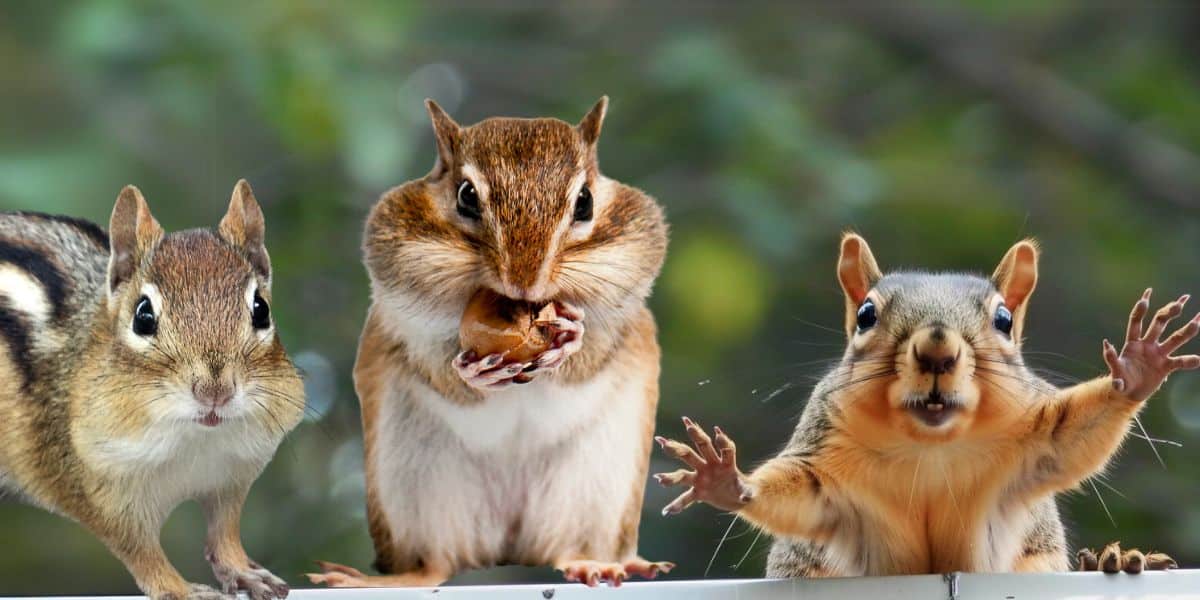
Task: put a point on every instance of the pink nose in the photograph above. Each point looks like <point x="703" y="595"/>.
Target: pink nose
<point x="211" y="393"/>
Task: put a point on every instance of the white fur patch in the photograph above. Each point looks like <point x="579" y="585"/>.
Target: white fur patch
<point x="424" y="325"/>
<point x="531" y="474"/>
<point x="24" y="293"/>
<point x="176" y="460"/>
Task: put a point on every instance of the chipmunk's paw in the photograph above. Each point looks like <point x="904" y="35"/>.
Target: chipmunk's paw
<point x="1112" y="560"/>
<point x="568" y="339"/>
<point x="715" y="478"/>
<point x="492" y="372"/>
<point x="257" y="582"/>
<point x="196" y="591"/>
<point x="1145" y="362"/>
<point x="335" y="575"/>
<point x="592" y="572"/>
<point x="488" y="372"/>
<point x="646" y="569"/>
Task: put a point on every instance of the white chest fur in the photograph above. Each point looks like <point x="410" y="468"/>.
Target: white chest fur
<point x="532" y="475"/>
<point x="165" y="465"/>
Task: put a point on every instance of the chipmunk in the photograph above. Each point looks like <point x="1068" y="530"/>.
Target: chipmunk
<point x="932" y="448"/>
<point x="473" y="461"/>
<point x="138" y="370"/>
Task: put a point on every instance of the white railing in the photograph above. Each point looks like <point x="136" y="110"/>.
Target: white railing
<point x="1171" y="585"/>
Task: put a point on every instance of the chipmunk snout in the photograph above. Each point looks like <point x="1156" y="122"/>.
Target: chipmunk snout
<point x="214" y="394"/>
<point x="935" y="351"/>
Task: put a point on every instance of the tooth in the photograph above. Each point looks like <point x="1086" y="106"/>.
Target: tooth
<point x="936" y="407"/>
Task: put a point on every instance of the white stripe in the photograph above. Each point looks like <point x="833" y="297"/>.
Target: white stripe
<point x="24" y="293"/>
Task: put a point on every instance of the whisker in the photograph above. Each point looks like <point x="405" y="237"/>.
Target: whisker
<point x="719" y="544"/>
<point x="754" y="541"/>
<point x="1103" y="503"/>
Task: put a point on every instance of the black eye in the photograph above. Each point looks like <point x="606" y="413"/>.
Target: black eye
<point x="866" y="316"/>
<point x="144" y="321"/>
<point x="583" y="205"/>
<point x="260" y="313"/>
<point x="468" y="200"/>
<point x="1003" y="320"/>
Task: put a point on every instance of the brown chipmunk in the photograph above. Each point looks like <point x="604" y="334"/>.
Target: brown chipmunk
<point x="473" y="461"/>
<point x="932" y="448"/>
<point x="138" y="370"/>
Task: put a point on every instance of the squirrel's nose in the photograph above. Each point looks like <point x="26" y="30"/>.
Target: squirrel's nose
<point x="936" y="353"/>
<point x="212" y="393"/>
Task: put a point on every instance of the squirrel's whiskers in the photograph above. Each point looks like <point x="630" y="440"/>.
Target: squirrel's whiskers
<point x="931" y="447"/>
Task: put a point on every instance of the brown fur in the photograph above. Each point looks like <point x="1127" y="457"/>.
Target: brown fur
<point x="426" y="258"/>
<point x="865" y="487"/>
<point x="95" y="435"/>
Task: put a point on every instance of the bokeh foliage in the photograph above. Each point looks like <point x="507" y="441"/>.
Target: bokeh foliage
<point x="766" y="129"/>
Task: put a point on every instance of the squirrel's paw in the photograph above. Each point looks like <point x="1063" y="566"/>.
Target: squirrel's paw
<point x="488" y="372"/>
<point x="257" y="582"/>
<point x="1144" y="361"/>
<point x="715" y="478"/>
<point x="1112" y="560"/>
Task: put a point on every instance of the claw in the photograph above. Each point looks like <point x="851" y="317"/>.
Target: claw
<point x="1113" y="560"/>
<point x="489" y="372"/>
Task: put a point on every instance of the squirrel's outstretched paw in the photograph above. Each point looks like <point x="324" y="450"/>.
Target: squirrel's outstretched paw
<point x="1145" y="361"/>
<point x="714" y="477"/>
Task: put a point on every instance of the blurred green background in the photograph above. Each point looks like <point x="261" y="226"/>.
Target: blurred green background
<point x="943" y="131"/>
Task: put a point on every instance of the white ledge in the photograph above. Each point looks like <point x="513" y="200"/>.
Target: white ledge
<point x="1170" y="585"/>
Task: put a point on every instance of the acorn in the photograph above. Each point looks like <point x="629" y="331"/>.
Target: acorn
<point x="515" y="329"/>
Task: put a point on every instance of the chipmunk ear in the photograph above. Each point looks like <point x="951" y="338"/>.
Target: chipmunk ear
<point x="590" y="126"/>
<point x="1016" y="275"/>
<point x="447" y="133"/>
<point x="243" y="226"/>
<point x="132" y="233"/>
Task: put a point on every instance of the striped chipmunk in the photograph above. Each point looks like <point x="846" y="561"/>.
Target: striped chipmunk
<point x="931" y="447"/>
<point x="474" y="458"/>
<point x="138" y="370"/>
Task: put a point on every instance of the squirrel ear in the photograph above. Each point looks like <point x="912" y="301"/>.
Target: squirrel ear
<point x="857" y="272"/>
<point x="589" y="127"/>
<point x="132" y="232"/>
<point x="243" y="226"/>
<point x="447" y="133"/>
<point x="1016" y="275"/>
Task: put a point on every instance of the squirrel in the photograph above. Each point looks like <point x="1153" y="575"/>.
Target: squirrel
<point x="473" y="461"/>
<point x="138" y="370"/>
<point x="931" y="447"/>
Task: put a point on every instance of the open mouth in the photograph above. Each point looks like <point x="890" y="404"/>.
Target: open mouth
<point x="934" y="409"/>
<point x="209" y="419"/>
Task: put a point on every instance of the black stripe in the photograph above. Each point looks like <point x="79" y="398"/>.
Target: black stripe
<point x="16" y="335"/>
<point x="87" y="228"/>
<point x="42" y="269"/>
